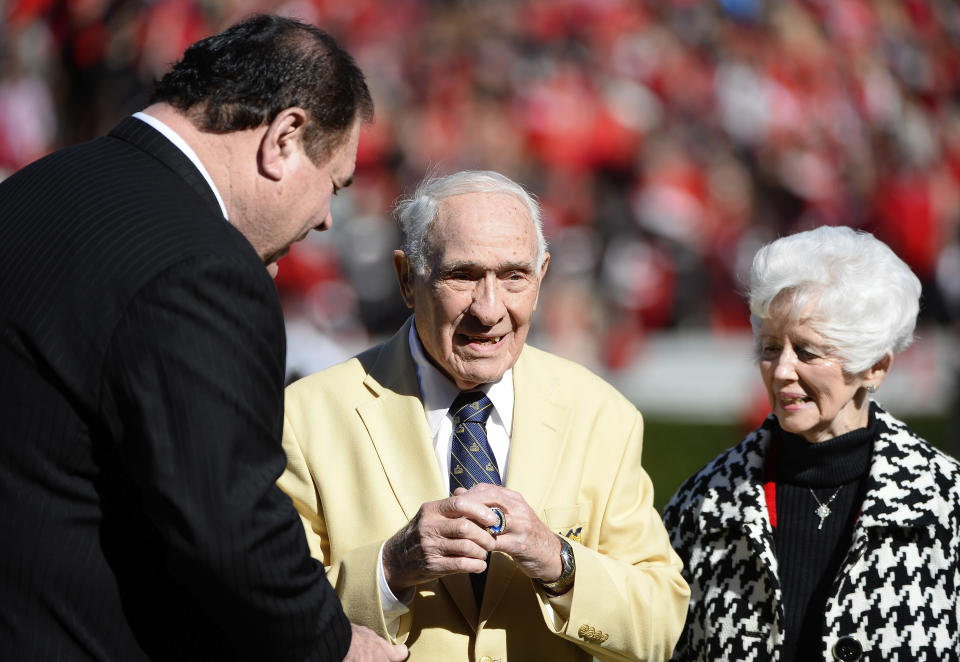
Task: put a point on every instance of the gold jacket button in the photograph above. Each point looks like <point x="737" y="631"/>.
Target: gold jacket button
<point x="592" y="634"/>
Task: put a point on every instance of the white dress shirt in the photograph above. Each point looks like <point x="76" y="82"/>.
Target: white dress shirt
<point x="437" y="393"/>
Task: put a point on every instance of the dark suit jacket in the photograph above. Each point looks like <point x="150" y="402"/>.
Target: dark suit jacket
<point x="141" y="371"/>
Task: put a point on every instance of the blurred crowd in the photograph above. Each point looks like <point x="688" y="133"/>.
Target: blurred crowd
<point x="666" y="140"/>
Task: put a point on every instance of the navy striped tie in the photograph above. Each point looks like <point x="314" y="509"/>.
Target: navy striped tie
<point x="471" y="460"/>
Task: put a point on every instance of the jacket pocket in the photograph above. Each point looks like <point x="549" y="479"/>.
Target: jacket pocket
<point x="569" y="521"/>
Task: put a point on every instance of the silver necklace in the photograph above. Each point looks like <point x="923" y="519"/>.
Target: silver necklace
<point x="823" y="509"/>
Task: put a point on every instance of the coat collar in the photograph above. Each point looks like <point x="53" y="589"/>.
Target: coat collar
<point x="733" y="485"/>
<point x="901" y="488"/>
<point x="143" y="136"/>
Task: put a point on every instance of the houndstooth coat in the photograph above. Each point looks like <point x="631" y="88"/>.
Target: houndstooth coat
<point x="895" y="598"/>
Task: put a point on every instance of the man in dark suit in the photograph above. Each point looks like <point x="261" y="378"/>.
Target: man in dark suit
<point x="142" y="354"/>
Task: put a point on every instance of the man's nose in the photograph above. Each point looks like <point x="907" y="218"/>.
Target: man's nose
<point x="487" y="304"/>
<point x="326" y="223"/>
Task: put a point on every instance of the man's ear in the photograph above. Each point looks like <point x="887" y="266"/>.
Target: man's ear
<point x="405" y="276"/>
<point x="281" y="140"/>
<point x="543" y="272"/>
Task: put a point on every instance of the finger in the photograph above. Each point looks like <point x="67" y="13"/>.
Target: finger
<point x="494" y="495"/>
<point x="465" y="530"/>
<point x="488" y="491"/>
<point x="463" y="547"/>
<point x="500" y="527"/>
<point x="437" y="565"/>
<point x="397" y="653"/>
<point x="468" y="504"/>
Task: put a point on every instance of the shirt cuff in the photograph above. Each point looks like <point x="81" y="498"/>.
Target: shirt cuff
<point x="558" y="607"/>
<point x="393" y="608"/>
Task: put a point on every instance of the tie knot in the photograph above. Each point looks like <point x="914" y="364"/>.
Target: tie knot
<point x="471" y="407"/>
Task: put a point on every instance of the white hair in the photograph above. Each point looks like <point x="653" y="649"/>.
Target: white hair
<point x="416" y="214"/>
<point x="856" y="292"/>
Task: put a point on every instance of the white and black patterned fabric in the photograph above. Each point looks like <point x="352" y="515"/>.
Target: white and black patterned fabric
<point x="895" y="598"/>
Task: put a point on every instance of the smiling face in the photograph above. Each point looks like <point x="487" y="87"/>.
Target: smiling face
<point x="809" y="392"/>
<point x="474" y="304"/>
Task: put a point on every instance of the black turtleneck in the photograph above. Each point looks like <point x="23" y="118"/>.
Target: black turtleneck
<point x="810" y="556"/>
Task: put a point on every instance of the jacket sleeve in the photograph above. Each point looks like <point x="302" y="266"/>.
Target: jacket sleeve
<point x="193" y="379"/>
<point x="629" y="589"/>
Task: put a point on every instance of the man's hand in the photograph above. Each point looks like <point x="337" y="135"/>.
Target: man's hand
<point x="445" y="537"/>
<point x="366" y="646"/>
<point x="531" y="544"/>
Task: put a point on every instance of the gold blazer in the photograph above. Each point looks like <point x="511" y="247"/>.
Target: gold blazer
<point x="360" y="464"/>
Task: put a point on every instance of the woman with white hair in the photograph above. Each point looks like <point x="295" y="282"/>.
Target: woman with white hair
<point x="831" y="532"/>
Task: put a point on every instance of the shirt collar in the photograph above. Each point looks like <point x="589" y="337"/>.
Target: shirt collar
<point x="438" y="392"/>
<point x="182" y="145"/>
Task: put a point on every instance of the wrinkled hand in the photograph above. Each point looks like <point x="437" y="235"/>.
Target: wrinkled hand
<point x="444" y="537"/>
<point x="531" y="544"/>
<point x="366" y="646"/>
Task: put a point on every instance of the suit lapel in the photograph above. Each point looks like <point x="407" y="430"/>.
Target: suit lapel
<point x="461" y="592"/>
<point x="536" y="447"/>
<point x="143" y="136"/>
<point x="538" y="436"/>
<point x="397" y="426"/>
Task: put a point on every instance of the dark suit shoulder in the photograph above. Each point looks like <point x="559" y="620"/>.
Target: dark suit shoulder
<point x="110" y="198"/>
<point x="86" y="228"/>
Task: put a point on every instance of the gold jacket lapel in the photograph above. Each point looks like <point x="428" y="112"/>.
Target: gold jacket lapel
<point x="536" y="447"/>
<point x="461" y="592"/>
<point x="397" y="425"/>
<point x="538" y="436"/>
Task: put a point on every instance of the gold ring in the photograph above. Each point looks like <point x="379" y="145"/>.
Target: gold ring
<point x="501" y="524"/>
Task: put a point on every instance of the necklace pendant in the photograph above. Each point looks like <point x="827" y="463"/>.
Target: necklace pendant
<point x="823" y="512"/>
<point x="823" y="509"/>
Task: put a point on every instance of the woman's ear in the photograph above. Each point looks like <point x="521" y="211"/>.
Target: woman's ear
<point x="875" y="374"/>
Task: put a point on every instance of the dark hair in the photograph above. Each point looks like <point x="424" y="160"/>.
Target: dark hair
<point x="243" y="77"/>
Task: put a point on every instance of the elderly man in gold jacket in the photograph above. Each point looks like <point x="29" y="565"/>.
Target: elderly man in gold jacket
<point x="526" y="533"/>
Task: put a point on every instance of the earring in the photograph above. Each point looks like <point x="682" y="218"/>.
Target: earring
<point x="871" y="388"/>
